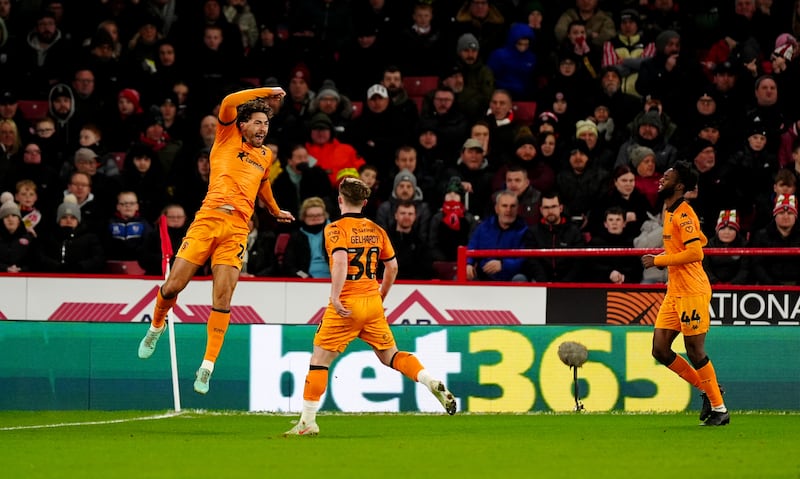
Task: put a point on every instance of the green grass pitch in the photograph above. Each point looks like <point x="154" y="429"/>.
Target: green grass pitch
<point x="217" y="444"/>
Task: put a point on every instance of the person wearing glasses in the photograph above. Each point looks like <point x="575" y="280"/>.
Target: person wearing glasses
<point x="127" y="229"/>
<point x="240" y="168"/>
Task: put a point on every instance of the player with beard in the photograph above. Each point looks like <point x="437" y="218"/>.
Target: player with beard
<point x="685" y="308"/>
<point x="240" y="168"/>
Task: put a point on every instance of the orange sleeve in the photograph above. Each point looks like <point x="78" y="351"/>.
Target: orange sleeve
<point x="227" y="110"/>
<point x="265" y="193"/>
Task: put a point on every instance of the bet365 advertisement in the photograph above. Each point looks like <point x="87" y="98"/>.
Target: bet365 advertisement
<point x="48" y="365"/>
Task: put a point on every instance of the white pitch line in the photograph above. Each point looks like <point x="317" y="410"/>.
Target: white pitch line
<point x="91" y="423"/>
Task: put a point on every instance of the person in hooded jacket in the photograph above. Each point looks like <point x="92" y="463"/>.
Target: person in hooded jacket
<point x="514" y="65"/>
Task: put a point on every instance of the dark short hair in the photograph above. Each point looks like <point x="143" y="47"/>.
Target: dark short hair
<point x="687" y="175"/>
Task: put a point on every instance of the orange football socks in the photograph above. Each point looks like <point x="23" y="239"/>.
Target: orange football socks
<point x="708" y="383"/>
<point x="163" y="305"/>
<point x="406" y="363"/>
<point x="216" y="328"/>
<point x="682" y="368"/>
<point x="316" y="383"/>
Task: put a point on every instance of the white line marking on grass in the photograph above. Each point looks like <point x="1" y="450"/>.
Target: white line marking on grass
<point x="92" y="423"/>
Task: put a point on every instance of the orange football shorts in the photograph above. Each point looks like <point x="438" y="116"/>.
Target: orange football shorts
<point x="367" y="321"/>
<point x="687" y="314"/>
<point x="217" y="235"/>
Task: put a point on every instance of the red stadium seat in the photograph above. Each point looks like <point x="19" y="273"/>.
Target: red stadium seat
<point x="124" y="267"/>
<point x="419" y="86"/>
<point x="33" y="110"/>
<point x="358" y="107"/>
<point x="524" y="111"/>
<point x="280" y="246"/>
<point x="445" y="270"/>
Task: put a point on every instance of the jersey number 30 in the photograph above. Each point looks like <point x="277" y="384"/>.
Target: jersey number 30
<point x="364" y="265"/>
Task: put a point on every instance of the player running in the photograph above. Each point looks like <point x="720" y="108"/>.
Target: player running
<point x="355" y="245"/>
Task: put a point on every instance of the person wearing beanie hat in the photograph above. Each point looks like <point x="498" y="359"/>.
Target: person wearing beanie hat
<point x="585" y="126"/>
<point x="781" y="232"/>
<point x="626" y="51"/>
<point x="467" y="41"/>
<point x="328" y="90"/>
<point x="404" y="188"/>
<point x="689" y="290"/>
<point x="17" y="244"/>
<point x="9" y="208"/>
<point x="724" y="269"/>
<point x="338" y="107"/>
<point x="638" y="153"/>
<point x="72" y="247"/>
<point x="321" y="121"/>
<point x="241" y="164"/>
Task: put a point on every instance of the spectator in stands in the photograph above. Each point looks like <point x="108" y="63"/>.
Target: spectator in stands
<point x="259" y="258"/>
<point x="405" y="158"/>
<point x="714" y="191"/>
<point x="669" y="75"/>
<point x="10" y="146"/>
<point x="9" y="108"/>
<point x="581" y="183"/>
<point x="411" y="250"/>
<point x="785" y="184"/>
<point x="587" y="131"/>
<point x="369" y="175"/>
<point x="239" y="13"/>
<point x="155" y="136"/>
<point x="104" y="188"/>
<point x="338" y="107"/>
<point x="191" y="188"/>
<point x="628" y="49"/>
<point x="541" y="22"/>
<point x="216" y="64"/>
<point x="503" y="128"/>
<point x="405" y="188"/>
<point x="72" y="248"/>
<point x="765" y="108"/>
<point x="789" y="139"/>
<point x="539" y="174"/>
<point x="90" y="136"/>
<point x="503" y="230"/>
<point x="450" y="124"/>
<point x="554" y="230"/>
<point x="150" y="255"/>
<point x="269" y="57"/>
<point x="305" y="255"/>
<point x="728" y="93"/>
<point x="622" y="107"/>
<point x="393" y="81"/>
<point x="300" y="179"/>
<point x="560" y="113"/>
<point x="379" y="131"/>
<point x="652" y="236"/>
<point x="476" y="178"/>
<point x="101" y="58"/>
<point x="27" y="198"/>
<point x="613" y="269"/>
<point x="127" y="230"/>
<point x="361" y="61"/>
<point x="176" y="126"/>
<point x="528" y="197"/>
<point x="599" y="24"/>
<point x="332" y="155"/>
<point x="141" y="52"/>
<point x="62" y="110"/>
<point x="726" y="269"/>
<point x="648" y="131"/>
<point x="581" y="49"/>
<point x="782" y="232"/>
<point x="144" y="175"/>
<point x="786" y="71"/>
<point x="297" y="104"/>
<point x="478" y="78"/>
<point x="452" y="225"/>
<point x="423" y="43"/>
<point x="643" y="160"/>
<point x="46" y="58"/>
<point x="485" y="22"/>
<point x="123" y="125"/>
<point x="18" y="247"/>
<point x="751" y="172"/>
<point x="549" y="151"/>
<point x="32" y="168"/>
<point x="622" y="194"/>
<point x="514" y="64"/>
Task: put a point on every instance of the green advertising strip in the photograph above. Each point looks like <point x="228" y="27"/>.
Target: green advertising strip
<point x="490" y="369"/>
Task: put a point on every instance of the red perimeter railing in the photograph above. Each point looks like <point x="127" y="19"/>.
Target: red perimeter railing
<point x="464" y="253"/>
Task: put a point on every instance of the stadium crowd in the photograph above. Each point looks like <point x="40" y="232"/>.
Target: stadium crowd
<point x="488" y="123"/>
